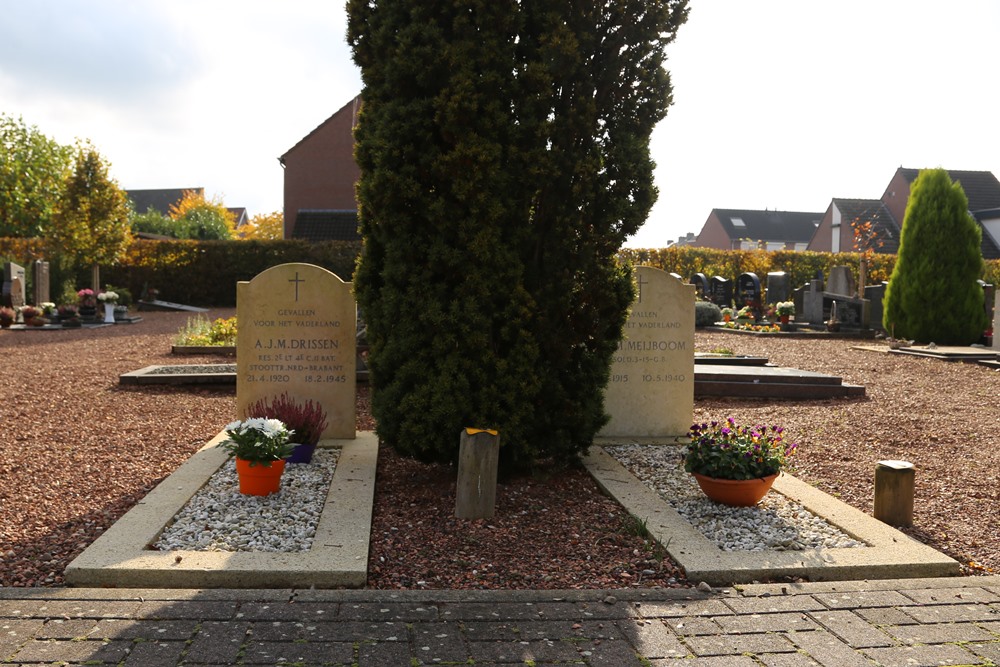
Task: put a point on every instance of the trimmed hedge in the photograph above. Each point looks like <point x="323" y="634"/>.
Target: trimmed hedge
<point x="202" y="273"/>
<point x="205" y="273"/>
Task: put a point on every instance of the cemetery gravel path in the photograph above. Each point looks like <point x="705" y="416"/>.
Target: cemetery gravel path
<point x="77" y="450"/>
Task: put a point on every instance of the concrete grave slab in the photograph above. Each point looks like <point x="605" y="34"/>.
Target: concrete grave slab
<point x="890" y="554"/>
<point x="121" y="557"/>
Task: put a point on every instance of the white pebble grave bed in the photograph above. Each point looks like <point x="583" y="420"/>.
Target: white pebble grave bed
<point x="775" y="523"/>
<point x="219" y="518"/>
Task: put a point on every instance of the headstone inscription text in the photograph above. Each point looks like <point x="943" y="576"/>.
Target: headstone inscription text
<point x="651" y="389"/>
<point x="297" y="335"/>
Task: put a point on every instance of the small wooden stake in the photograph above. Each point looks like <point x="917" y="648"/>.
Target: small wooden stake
<point x="894" y="483"/>
<point x="476" y="490"/>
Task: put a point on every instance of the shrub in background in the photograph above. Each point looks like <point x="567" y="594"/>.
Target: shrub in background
<point x="933" y="295"/>
<point x="706" y="313"/>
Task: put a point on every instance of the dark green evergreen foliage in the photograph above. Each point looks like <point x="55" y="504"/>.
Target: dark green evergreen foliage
<point x="706" y="314"/>
<point x="504" y="156"/>
<point x="933" y="295"/>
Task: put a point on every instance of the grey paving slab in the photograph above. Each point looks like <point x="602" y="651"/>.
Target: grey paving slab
<point x="924" y="656"/>
<point x="653" y="639"/>
<point x="851" y="628"/>
<point x="939" y="633"/>
<point x="739" y="644"/>
<point x="827" y="649"/>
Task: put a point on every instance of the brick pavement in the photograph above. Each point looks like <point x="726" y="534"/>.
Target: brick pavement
<point x="890" y="623"/>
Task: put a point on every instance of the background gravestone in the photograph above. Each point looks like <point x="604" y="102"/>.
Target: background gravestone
<point x="777" y="286"/>
<point x="12" y="271"/>
<point x="297" y="334"/>
<point x="721" y="291"/>
<point x="700" y="283"/>
<point x="748" y="292"/>
<point x="841" y="282"/>
<point x="40" y="282"/>
<point x="874" y="294"/>
<point x="651" y="389"/>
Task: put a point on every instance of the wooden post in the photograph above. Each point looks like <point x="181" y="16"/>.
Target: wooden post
<point x="95" y="279"/>
<point x="476" y="491"/>
<point x="894" y="482"/>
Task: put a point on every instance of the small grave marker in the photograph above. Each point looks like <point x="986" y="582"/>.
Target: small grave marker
<point x="748" y="292"/>
<point x="12" y="271"/>
<point x="297" y="335"/>
<point x="721" y="291"/>
<point x="841" y="282"/>
<point x="40" y="281"/>
<point x="777" y="286"/>
<point x="651" y="389"/>
<point x="701" y="287"/>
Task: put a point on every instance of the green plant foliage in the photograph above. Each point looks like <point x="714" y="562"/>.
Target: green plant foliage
<point x="504" y="154"/>
<point x="33" y="171"/>
<point x="91" y="224"/>
<point x="933" y="295"/>
<point x="706" y="314"/>
<point x="153" y="222"/>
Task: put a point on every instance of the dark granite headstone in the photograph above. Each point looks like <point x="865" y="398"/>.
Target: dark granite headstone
<point x="748" y="291"/>
<point x="989" y="295"/>
<point x="721" y="291"/>
<point x="40" y="281"/>
<point x="875" y="294"/>
<point x="700" y="283"/>
<point x="841" y="281"/>
<point x="777" y="286"/>
<point x="798" y="298"/>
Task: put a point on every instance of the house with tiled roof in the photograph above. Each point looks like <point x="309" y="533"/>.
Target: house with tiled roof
<point x="835" y="233"/>
<point x="736" y="229"/>
<point x="160" y="200"/>
<point x="981" y="187"/>
<point x="319" y="177"/>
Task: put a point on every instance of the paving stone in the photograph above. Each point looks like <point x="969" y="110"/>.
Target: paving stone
<point x="71" y="629"/>
<point x="853" y="629"/>
<point x="486" y="631"/>
<point x="765" y="622"/>
<point x="718" y="661"/>
<point x="88" y="609"/>
<point x="438" y="642"/>
<point x="384" y="655"/>
<point x="990" y="651"/>
<point x="951" y="595"/>
<point x="857" y="599"/>
<point x="287" y="611"/>
<point x="221" y="610"/>
<point x="549" y="630"/>
<point x="217" y="642"/>
<point x="585" y="610"/>
<point x="992" y="626"/>
<point x="939" y="633"/>
<point x="347" y="631"/>
<point x="391" y="611"/>
<point x="153" y="630"/>
<point x="318" y="653"/>
<point x="774" y="603"/>
<point x="21" y="608"/>
<point x="923" y="656"/>
<point x="686" y="609"/>
<point x="16" y="632"/>
<point x="504" y="652"/>
<point x="653" y="639"/>
<point x="739" y="644"/>
<point x="58" y="650"/>
<point x="155" y="654"/>
<point x="885" y="616"/>
<point x="827" y="649"/>
<point x="613" y="653"/>
<point x="953" y="613"/>
<point x="505" y="611"/>
<point x="788" y="660"/>
<point x="692" y="626"/>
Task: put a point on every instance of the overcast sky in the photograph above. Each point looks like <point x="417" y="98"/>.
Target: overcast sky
<point x="779" y="104"/>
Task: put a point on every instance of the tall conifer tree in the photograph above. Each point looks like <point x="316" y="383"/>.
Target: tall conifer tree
<point x="504" y="154"/>
<point x="933" y="295"/>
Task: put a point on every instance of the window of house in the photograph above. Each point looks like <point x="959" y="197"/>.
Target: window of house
<point x="748" y="245"/>
<point x="799" y="247"/>
<point x="738" y="222"/>
<point x="775" y="245"/>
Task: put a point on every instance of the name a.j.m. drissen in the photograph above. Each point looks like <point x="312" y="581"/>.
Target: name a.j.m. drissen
<point x="297" y="344"/>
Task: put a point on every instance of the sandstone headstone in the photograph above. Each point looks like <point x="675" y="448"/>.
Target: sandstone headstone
<point x="841" y="281"/>
<point x="16" y="296"/>
<point x="297" y="327"/>
<point x="10" y="272"/>
<point x="651" y="389"/>
<point x="40" y="281"/>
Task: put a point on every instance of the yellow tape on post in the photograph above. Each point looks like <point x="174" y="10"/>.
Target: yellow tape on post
<point x="473" y="431"/>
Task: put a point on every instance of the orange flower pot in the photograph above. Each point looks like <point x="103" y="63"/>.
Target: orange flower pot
<point x="735" y="492"/>
<point x="262" y="479"/>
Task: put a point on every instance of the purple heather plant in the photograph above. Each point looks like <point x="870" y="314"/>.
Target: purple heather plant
<point x="729" y="451"/>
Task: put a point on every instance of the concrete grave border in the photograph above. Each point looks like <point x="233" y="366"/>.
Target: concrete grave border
<point x="891" y="554"/>
<point x="338" y="557"/>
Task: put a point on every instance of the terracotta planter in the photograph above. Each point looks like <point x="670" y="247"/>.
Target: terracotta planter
<point x="262" y="479"/>
<point x="735" y="492"/>
<point x="726" y="318"/>
<point x="302" y="453"/>
<point x="784" y="319"/>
